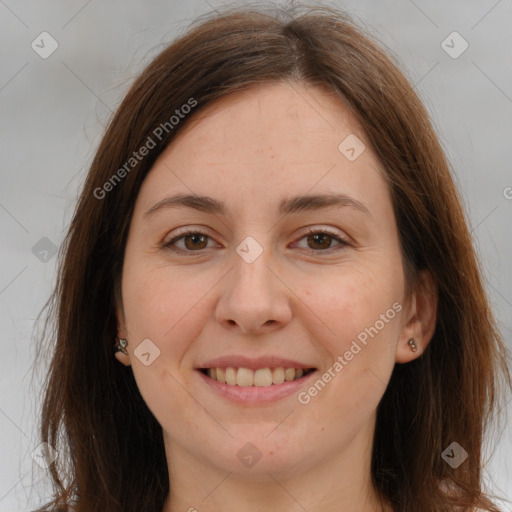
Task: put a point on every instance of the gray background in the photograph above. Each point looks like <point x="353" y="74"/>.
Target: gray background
<point x="53" y="112"/>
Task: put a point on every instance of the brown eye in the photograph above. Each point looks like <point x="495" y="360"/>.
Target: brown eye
<point x="197" y="241"/>
<point x="193" y="242"/>
<point x="321" y="241"/>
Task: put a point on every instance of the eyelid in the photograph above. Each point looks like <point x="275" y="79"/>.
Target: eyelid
<point x="188" y="230"/>
<point x="321" y="229"/>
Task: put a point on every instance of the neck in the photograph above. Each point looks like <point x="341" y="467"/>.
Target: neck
<point x="340" y="482"/>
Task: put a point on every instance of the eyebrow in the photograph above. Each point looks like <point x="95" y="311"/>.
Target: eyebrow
<point x="286" y="206"/>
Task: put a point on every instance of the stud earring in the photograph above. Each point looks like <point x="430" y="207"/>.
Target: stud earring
<point x="121" y="346"/>
<point x="412" y="344"/>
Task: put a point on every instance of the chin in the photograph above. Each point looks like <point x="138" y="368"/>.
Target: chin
<point x="253" y="457"/>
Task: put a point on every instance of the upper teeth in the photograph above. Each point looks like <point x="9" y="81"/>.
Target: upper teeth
<point x="261" y="377"/>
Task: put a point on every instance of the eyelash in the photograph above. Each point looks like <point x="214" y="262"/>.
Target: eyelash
<point x="189" y="232"/>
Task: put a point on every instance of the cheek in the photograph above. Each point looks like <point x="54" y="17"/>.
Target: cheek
<point x="170" y="307"/>
<point x="158" y="298"/>
<point x="355" y="309"/>
<point x="359" y="312"/>
<point x="159" y="306"/>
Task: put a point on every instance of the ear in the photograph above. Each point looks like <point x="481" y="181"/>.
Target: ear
<point x="122" y="333"/>
<point x="420" y="320"/>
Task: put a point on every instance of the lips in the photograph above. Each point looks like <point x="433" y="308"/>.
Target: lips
<point x="260" y="387"/>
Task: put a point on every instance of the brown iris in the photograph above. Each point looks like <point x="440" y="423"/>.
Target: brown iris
<point x="195" y="237"/>
<point x="322" y="237"/>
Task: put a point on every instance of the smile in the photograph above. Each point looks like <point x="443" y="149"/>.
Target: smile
<point x="255" y="387"/>
<point x="262" y="377"/>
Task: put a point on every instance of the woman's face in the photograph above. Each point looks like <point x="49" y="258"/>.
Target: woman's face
<point x="268" y="281"/>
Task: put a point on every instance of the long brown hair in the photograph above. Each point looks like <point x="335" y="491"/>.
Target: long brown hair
<point x="92" y="407"/>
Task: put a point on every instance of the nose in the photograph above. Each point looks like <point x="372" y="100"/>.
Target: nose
<point x="255" y="299"/>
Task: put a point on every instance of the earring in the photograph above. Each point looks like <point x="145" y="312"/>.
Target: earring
<point x="412" y="344"/>
<point x="121" y="346"/>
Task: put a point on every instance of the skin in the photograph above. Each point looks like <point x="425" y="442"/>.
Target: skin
<point x="250" y="150"/>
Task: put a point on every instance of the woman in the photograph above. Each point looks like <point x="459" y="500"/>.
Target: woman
<point x="270" y="234"/>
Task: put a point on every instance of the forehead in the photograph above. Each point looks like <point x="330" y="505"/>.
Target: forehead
<point x="266" y="141"/>
<point x="288" y="110"/>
